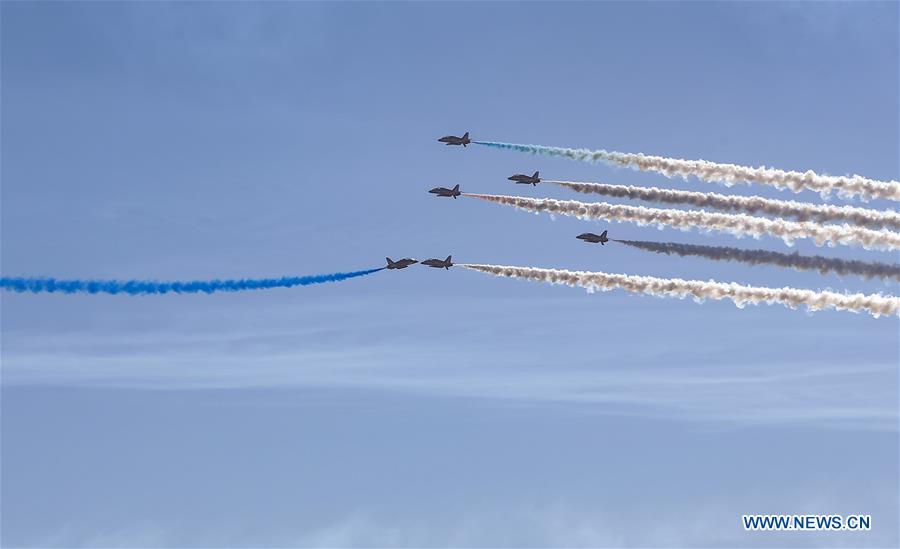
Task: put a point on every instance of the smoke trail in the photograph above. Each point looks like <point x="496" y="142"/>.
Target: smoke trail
<point x="801" y="211"/>
<point x="145" y="287"/>
<point x="876" y="304"/>
<point x="764" y="257"/>
<point x="736" y="224"/>
<point x="728" y="173"/>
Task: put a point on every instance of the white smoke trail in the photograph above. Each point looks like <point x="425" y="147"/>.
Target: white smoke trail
<point x="876" y="304"/>
<point x="801" y="211"/>
<point x="736" y="224"/>
<point x="728" y="173"/>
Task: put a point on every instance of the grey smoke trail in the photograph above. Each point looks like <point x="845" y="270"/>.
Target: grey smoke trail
<point x="876" y="304"/>
<point x="727" y="173"/>
<point x="736" y="224"/>
<point x="801" y="211"/>
<point x="764" y="257"/>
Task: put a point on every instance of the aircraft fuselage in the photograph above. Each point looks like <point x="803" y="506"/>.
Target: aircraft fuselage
<point x="400" y="263"/>
<point x="454" y="140"/>
<point x="593" y="238"/>
<point x="443" y="191"/>
<point x="439" y="263"/>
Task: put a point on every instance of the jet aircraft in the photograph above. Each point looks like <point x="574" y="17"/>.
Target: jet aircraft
<point x="594" y="238"/>
<point x="443" y="191"/>
<point x="526" y="179"/>
<point x="439" y="263"/>
<point x="399" y="264"/>
<point x="453" y="140"/>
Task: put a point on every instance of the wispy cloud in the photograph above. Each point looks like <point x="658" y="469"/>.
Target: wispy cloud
<point x="707" y="522"/>
<point x="615" y="377"/>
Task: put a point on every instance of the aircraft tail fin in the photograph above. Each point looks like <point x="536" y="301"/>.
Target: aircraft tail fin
<point x="466" y="135"/>
<point x="389" y="261"/>
<point x="449" y="258"/>
<point x="537" y="175"/>
<point x="456" y="187"/>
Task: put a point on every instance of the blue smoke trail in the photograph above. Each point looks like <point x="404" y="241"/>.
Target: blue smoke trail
<point x="536" y="149"/>
<point x="148" y="287"/>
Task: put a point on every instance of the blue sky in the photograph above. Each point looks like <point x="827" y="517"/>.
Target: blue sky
<point x="424" y="407"/>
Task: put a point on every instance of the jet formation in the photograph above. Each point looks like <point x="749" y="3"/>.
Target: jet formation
<point x="443" y="191"/>
<point x="518" y="178"/>
<point x="526" y="179"/>
<point x="453" y="140"/>
<point x="594" y="238"/>
<point x="406" y="262"/>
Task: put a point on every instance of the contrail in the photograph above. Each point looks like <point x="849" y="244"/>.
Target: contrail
<point x="876" y="304"/>
<point x="147" y="287"/>
<point x="801" y="211"/>
<point x="736" y="224"/>
<point x="727" y="173"/>
<point x="764" y="257"/>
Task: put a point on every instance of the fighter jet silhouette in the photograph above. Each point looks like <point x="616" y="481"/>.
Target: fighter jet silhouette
<point x="443" y="191"/>
<point x="453" y="140"/>
<point x="400" y="264"/>
<point x="526" y="179"/>
<point x="593" y="238"/>
<point x="439" y="263"/>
